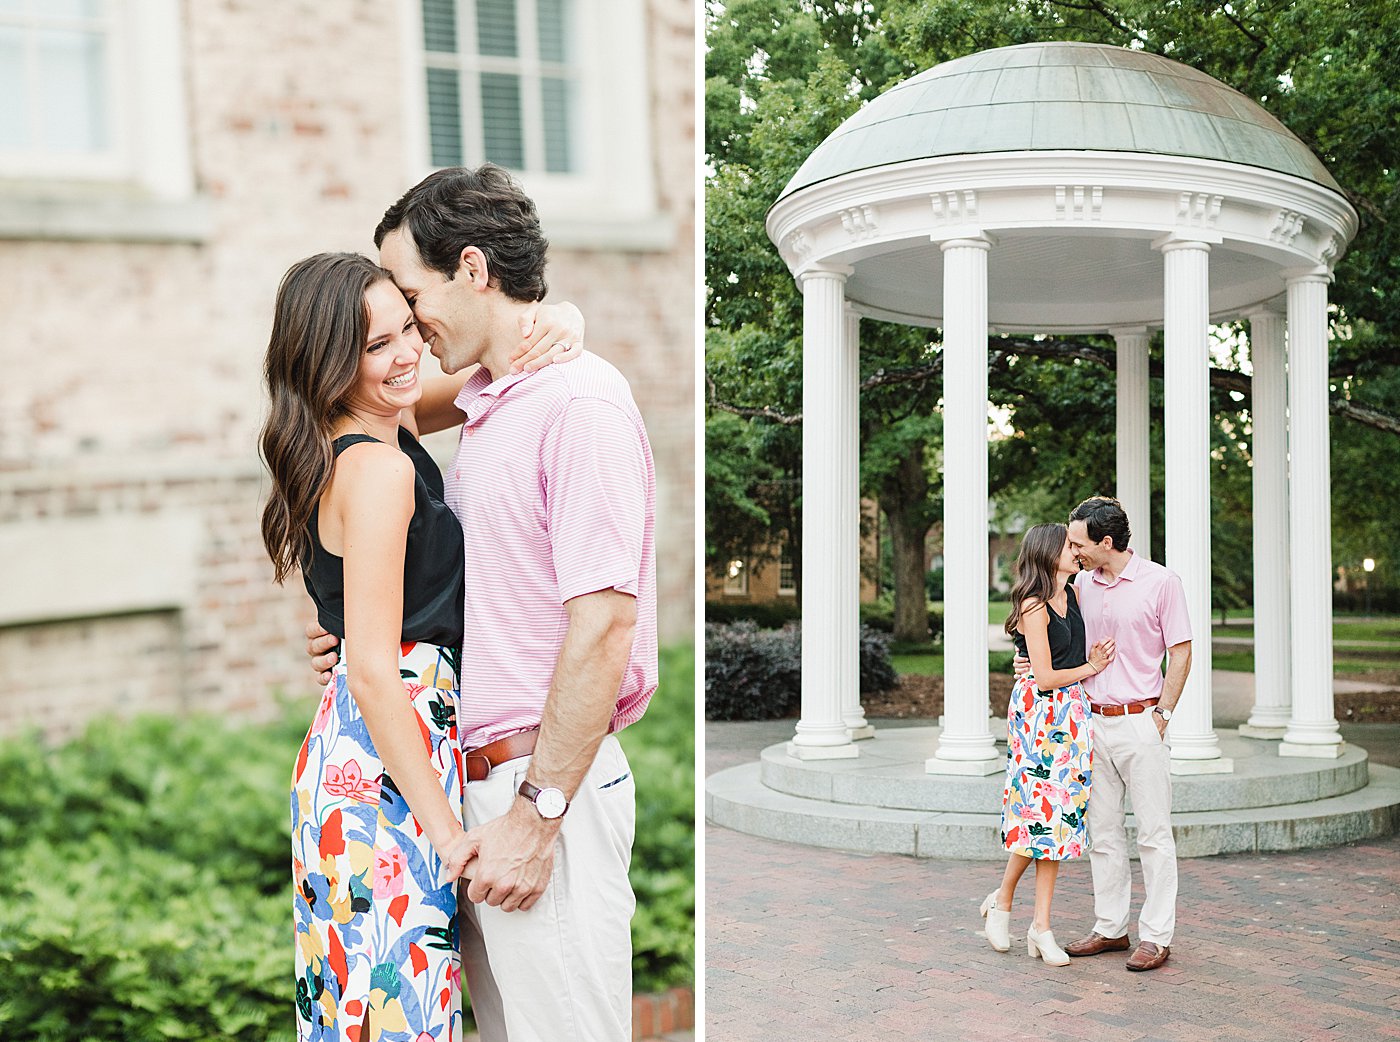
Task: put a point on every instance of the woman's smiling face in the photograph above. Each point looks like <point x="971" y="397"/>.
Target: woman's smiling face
<point x="387" y="380"/>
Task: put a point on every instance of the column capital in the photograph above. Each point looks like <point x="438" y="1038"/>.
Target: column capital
<point x="1315" y="273"/>
<point x="965" y="239"/>
<point x="821" y="270"/>
<point x="1263" y="311"/>
<point x="1178" y="241"/>
<point x="1118" y="332"/>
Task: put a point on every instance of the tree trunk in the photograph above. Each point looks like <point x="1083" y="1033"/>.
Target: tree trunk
<point x="904" y="499"/>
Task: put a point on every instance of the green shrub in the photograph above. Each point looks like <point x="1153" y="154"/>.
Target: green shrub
<point x="661" y="749"/>
<point x="755" y="674"/>
<point x="773" y="615"/>
<point x="146" y="890"/>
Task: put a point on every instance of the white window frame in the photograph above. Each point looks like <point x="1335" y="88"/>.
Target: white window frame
<point x="736" y="583"/>
<point x="611" y="201"/>
<point x="147" y="170"/>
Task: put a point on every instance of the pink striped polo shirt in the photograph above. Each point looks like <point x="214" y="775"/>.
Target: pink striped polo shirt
<point x="1144" y="610"/>
<point x="554" y="485"/>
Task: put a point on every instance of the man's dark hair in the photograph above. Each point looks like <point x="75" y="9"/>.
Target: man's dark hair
<point x="458" y="207"/>
<point x="1103" y="516"/>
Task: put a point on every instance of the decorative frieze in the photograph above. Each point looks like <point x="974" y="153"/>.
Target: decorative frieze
<point x="954" y="208"/>
<point x="859" y="222"/>
<point x="799" y="246"/>
<point x="1198" y="209"/>
<point x="1078" y="202"/>
<point x="1287" y="225"/>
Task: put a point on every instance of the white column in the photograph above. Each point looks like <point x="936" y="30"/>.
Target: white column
<point x="1133" y="437"/>
<point x="1312" y="729"/>
<point x="1268" y="418"/>
<point x="1195" y="747"/>
<point x="965" y="744"/>
<point x="826" y="625"/>
<point x="847" y="466"/>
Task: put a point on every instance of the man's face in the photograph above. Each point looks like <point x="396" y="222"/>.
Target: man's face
<point x="447" y="310"/>
<point x="1089" y="554"/>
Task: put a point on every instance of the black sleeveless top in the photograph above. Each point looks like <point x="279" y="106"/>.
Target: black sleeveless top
<point x="433" y="560"/>
<point x="1066" y="634"/>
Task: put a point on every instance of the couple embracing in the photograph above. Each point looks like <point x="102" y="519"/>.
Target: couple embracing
<point x="1088" y="727"/>
<point x="461" y="805"/>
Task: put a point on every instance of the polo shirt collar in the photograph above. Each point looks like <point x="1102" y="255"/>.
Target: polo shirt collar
<point x="480" y="394"/>
<point x="1129" y="571"/>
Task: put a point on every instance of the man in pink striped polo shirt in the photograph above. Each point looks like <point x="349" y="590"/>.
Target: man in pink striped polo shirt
<point x="1142" y="606"/>
<point x="554" y="486"/>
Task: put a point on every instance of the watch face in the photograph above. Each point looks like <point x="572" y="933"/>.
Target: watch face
<point x="551" y="803"/>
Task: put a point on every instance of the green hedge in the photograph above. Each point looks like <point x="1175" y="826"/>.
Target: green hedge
<point x="145" y="889"/>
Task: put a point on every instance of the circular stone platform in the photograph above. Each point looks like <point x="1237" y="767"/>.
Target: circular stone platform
<point x="884" y="802"/>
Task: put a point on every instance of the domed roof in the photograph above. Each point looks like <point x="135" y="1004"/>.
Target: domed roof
<point x="1055" y="96"/>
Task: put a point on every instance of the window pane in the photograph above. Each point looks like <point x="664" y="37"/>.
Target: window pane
<point x="71" y="8"/>
<point x="13" y="132"/>
<point x="440" y="25"/>
<point x="495" y="28"/>
<point x="444" y="118"/>
<point x="500" y="120"/>
<point x="72" y="69"/>
<point x="557" y="95"/>
<point x="554" y="30"/>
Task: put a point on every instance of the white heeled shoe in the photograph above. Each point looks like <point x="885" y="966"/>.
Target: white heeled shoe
<point x="998" y="929"/>
<point x="1043" y="945"/>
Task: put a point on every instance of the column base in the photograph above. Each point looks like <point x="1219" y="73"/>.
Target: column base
<point x="1321" y="752"/>
<point x="1271" y="734"/>
<point x="965" y="768"/>
<point x="822" y="752"/>
<point x="861" y="732"/>
<point x="1220" y="765"/>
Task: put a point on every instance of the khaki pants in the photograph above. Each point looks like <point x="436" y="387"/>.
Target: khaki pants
<point x="562" y="970"/>
<point x="1131" y="759"/>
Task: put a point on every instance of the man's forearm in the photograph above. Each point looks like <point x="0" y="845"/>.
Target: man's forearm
<point x="583" y="693"/>
<point x="1178" y="669"/>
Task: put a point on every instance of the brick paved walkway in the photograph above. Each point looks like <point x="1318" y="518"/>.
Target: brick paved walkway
<point x="811" y="944"/>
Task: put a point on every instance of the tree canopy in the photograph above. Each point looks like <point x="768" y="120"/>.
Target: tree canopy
<point x="781" y="75"/>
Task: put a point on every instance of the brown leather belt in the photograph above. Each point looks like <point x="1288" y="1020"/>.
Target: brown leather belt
<point x="480" y="761"/>
<point x="1127" y="710"/>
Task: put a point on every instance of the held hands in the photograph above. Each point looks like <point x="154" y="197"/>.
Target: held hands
<point x="1102" y="653"/>
<point x="549" y="333"/>
<point x="322" y="647"/>
<point x="1020" y="665"/>
<point x="514" y="859"/>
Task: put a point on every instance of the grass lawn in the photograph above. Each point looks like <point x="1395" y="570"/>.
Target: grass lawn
<point x="1348" y="659"/>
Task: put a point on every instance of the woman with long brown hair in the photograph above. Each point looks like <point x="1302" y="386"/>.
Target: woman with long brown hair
<point x="1049" y="745"/>
<point x="357" y="505"/>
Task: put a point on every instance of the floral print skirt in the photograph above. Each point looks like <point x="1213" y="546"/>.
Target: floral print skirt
<point x="1049" y="765"/>
<point x="377" y="952"/>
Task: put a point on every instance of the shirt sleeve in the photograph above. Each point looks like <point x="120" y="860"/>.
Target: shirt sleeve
<point x="594" y="472"/>
<point x="1176" y="622"/>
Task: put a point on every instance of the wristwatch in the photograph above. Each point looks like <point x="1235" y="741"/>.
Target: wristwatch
<point x="550" y="803"/>
<point x="1165" y="714"/>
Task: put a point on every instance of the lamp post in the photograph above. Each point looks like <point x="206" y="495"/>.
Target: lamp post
<point x="1369" y="566"/>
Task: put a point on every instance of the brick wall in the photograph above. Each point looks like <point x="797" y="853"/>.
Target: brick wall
<point x="133" y="395"/>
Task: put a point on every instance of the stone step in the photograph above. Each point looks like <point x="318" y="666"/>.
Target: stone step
<point x="737" y="799"/>
<point x="889" y="772"/>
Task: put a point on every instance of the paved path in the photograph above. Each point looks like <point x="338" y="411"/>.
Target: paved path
<point x="804" y="943"/>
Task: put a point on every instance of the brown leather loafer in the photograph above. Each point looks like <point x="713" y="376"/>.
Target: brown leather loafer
<point x="1096" y="943"/>
<point x="1148" y="956"/>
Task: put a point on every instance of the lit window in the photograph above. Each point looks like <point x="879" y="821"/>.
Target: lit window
<point x="736" y="578"/>
<point x="787" y="579"/>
